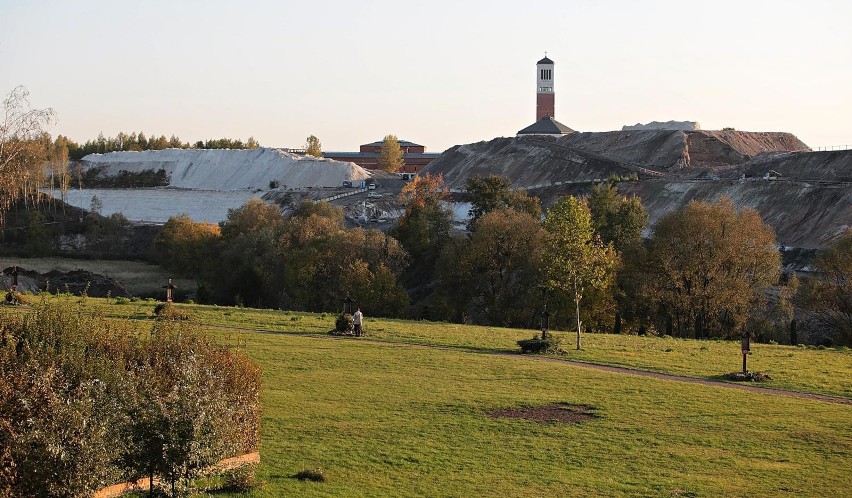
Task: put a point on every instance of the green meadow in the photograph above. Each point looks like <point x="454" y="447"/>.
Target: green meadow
<point x="804" y="369"/>
<point x="407" y="411"/>
<point x="387" y="420"/>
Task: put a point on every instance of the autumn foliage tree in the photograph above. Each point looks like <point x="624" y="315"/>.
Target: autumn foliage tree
<point x="424" y="227"/>
<point x="490" y="193"/>
<point x="710" y="266"/>
<point x="24" y="149"/>
<point x="390" y="155"/>
<point x="313" y="147"/>
<point x="183" y="245"/>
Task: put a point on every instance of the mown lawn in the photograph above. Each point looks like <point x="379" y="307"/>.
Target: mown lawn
<point x="823" y="371"/>
<point x="383" y="417"/>
<point x="389" y="420"/>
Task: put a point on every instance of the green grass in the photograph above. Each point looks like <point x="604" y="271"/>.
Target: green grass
<point x="384" y="419"/>
<point x="821" y="371"/>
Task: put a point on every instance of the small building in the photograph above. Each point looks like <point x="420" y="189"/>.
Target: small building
<point x="414" y="156"/>
<point x="545" y="104"/>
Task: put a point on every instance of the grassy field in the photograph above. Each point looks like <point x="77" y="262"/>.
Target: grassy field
<point x="392" y="419"/>
<point x="822" y="371"/>
<point x="141" y="279"/>
<point x="385" y="420"/>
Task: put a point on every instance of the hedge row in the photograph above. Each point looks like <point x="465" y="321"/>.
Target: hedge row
<point x="87" y="402"/>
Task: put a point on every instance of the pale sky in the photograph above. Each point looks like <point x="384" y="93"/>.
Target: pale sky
<point x="434" y="72"/>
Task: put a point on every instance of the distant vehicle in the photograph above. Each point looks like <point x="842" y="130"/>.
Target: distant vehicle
<point x="347" y="183"/>
<point x="371" y="186"/>
<point x="374" y="195"/>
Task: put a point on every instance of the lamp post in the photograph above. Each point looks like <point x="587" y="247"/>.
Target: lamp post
<point x="745" y="348"/>
<point x="544" y="322"/>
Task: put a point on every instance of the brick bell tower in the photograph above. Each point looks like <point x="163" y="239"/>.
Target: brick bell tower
<point x="545" y="99"/>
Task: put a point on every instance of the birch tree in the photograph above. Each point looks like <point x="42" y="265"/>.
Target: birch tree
<point x="24" y="147"/>
<point x="575" y="260"/>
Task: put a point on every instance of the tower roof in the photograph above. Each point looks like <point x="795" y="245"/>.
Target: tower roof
<point x="546" y="126"/>
<point x="545" y="61"/>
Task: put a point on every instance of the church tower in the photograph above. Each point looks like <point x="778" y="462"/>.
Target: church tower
<point x="545" y="99"/>
<point x="545" y="104"/>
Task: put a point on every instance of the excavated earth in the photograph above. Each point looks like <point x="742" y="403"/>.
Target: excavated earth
<point x="807" y="196"/>
<point x="76" y="282"/>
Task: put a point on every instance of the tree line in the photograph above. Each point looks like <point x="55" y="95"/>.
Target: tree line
<point x="139" y="141"/>
<point x="708" y="270"/>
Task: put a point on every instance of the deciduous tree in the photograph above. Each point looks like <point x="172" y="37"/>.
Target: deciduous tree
<point x="313" y="147"/>
<point x="710" y="265"/>
<point x="424" y="227"/>
<point x="500" y="265"/>
<point x="490" y="193"/>
<point x="575" y="260"/>
<point x="24" y="148"/>
<point x="185" y="246"/>
<point x="828" y="295"/>
<point x="390" y="156"/>
<point x="616" y="218"/>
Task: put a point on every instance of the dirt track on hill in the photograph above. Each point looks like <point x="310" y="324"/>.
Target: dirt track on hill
<point x="581" y="364"/>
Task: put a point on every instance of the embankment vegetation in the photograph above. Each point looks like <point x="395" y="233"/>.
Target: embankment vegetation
<point x="87" y="402"/>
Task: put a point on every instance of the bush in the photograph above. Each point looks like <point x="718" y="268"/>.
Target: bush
<point x="538" y="346"/>
<point x="315" y="475"/>
<point x="85" y="401"/>
<point x="169" y="312"/>
<point x="747" y="377"/>
<point x="239" y="480"/>
<point x="344" y="323"/>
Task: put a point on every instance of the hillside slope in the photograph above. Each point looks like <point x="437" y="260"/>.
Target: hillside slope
<point x="542" y="160"/>
<point x="808" y="206"/>
<point x="225" y="169"/>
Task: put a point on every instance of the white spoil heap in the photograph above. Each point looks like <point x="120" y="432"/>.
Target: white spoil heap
<point x="226" y="169"/>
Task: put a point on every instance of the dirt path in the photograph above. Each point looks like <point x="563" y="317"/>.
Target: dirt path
<point x="582" y="364"/>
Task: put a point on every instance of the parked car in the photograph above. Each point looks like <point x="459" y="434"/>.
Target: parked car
<point x="374" y="195"/>
<point x="347" y="183"/>
<point x="371" y="186"/>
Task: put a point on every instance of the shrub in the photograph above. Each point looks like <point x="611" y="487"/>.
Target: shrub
<point x="537" y="345"/>
<point x="315" y="475"/>
<point x="121" y="300"/>
<point x="85" y="401"/>
<point x="344" y="323"/>
<point x="239" y="480"/>
<point x="747" y="377"/>
<point x="169" y="312"/>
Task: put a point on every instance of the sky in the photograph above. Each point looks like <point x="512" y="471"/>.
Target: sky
<point x="435" y="72"/>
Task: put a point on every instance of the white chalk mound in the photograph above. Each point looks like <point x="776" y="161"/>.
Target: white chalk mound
<point x="226" y="169"/>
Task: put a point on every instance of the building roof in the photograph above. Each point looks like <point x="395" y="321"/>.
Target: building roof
<point x="545" y="61"/>
<point x="425" y="155"/>
<point x="546" y="126"/>
<point x="402" y="143"/>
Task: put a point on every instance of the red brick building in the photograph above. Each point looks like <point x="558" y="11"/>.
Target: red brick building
<point x="414" y="156"/>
